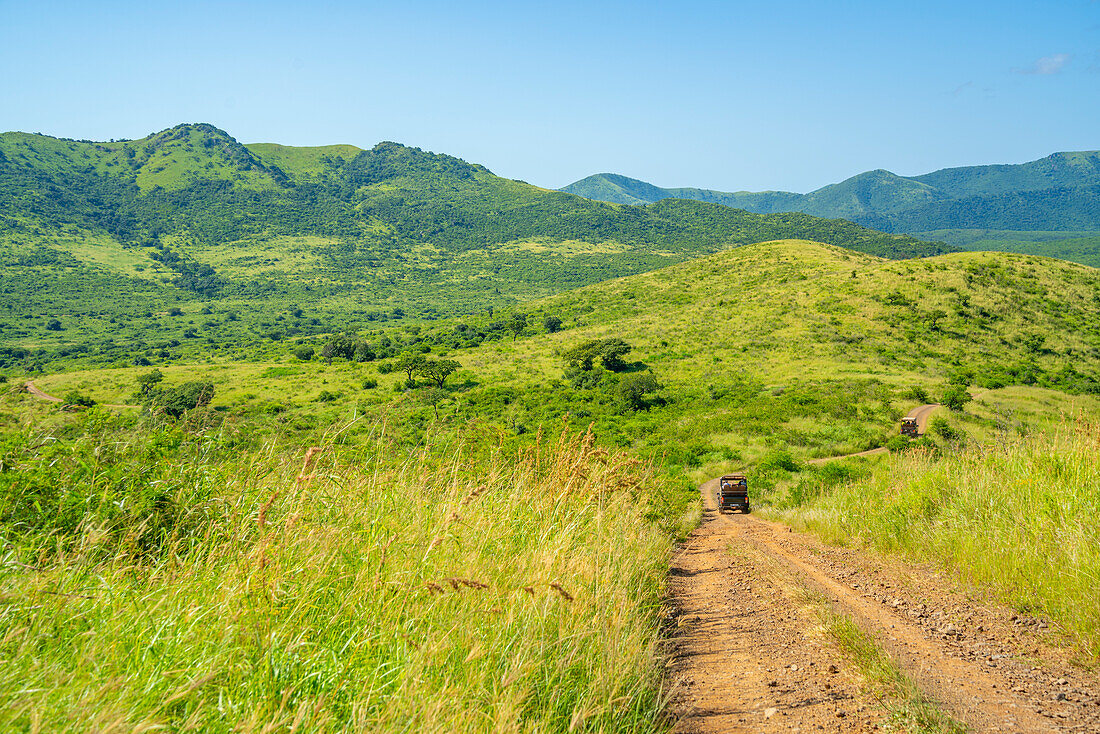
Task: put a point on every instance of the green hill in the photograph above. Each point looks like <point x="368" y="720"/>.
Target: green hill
<point x="189" y="241"/>
<point x="749" y="344"/>
<point x="1058" y="193"/>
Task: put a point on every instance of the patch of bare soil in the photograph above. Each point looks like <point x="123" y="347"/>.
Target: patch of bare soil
<point x="747" y="656"/>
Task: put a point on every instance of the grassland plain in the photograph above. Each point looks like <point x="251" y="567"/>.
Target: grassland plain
<point x="742" y="341"/>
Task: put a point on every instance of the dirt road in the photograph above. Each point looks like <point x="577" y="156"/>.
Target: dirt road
<point x="749" y="654"/>
<point x="41" y="395"/>
<point x="921" y="414"/>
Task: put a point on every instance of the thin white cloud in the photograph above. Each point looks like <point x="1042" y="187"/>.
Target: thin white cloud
<point x="1047" y="65"/>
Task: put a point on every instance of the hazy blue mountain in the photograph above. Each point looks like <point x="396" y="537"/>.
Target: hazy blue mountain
<point x="1058" y="193"/>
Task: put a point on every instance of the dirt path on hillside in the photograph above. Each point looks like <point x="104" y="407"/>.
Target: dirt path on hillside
<point x="42" y="395"/>
<point x="748" y="654"/>
<point x="921" y="414"/>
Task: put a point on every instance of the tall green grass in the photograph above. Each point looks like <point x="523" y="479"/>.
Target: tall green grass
<point x="1018" y="516"/>
<point x="452" y="590"/>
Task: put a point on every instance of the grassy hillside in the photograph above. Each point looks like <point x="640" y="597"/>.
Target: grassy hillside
<point x="488" y="554"/>
<point x="106" y="247"/>
<point x="1059" y="192"/>
<point x="749" y="345"/>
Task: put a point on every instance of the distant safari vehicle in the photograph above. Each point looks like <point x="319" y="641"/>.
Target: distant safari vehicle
<point x="733" y="493"/>
<point x="909" y="427"/>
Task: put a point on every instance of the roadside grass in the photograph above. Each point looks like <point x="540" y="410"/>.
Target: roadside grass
<point x="909" y="709"/>
<point x="1016" y="516"/>
<point x="466" y="588"/>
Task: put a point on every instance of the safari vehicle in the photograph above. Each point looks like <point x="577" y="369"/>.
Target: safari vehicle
<point x="733" y="493"/>
<point x="909" y="427"/>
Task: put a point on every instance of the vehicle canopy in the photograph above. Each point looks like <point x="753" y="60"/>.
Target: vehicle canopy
<point x="733" y="481"/>
<point x="909" y="421"/>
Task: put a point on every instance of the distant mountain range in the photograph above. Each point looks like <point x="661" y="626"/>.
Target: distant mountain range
<point x="1058" y="193"/>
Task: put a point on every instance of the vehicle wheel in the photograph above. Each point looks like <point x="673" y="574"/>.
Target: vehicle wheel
<point x="747" y="509"/>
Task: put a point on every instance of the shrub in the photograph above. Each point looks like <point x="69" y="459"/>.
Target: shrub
<point x="175" y="401"/>
<point x="634" y="389"/>
<point x="943" y="429"/>
<point x="74" y="397"/>
<point x="304" y="352"/>
<point x="778" y="459"/>
<point x="370" y="383"/>
<point x="955" y="397"/>
<point x="918" y="393"/>
<point x="898" y="443"/>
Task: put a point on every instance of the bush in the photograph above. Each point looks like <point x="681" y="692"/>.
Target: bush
<point x="955" y="397"/>
<point x="918" y="393"/>
<point x="175" y="401"/>
<point x="74" y="397"/>
<point x="898" y="443"/>
<point x="370" y="383"/>
<point x="304" y="352"/>
<point x="778" y="459"/>
<point x="943" y="429"/>
<point x="634" y="389"/>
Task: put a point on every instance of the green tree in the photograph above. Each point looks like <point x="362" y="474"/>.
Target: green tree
<point x="583" y="355"/>
<point x="433" y="396"/>
<point x="609" y="351"/>
<point x="552" y="324"/>
<point x="303" y="352"/>
<point x="612" y="352"/>
<point x="74" y="397"/>
<point x="410" y="363"/>
<point x="149" y="380"/>
<point x="517" y="324"/>
<point x="175" y="401"/>
<point x="438" y="370"/>
<point x="633" y="390"/>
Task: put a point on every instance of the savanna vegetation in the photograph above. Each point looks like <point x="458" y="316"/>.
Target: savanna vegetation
<point x="271" y="501"/>
<point x="182" y="574"/>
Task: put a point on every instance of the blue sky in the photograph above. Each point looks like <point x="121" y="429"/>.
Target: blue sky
<point x="727" y="95"/>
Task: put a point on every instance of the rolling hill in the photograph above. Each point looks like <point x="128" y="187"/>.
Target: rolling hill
<point x="752" y="346"/>
<point x="188" y="240"/>
<point x="1058" y="193"/>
